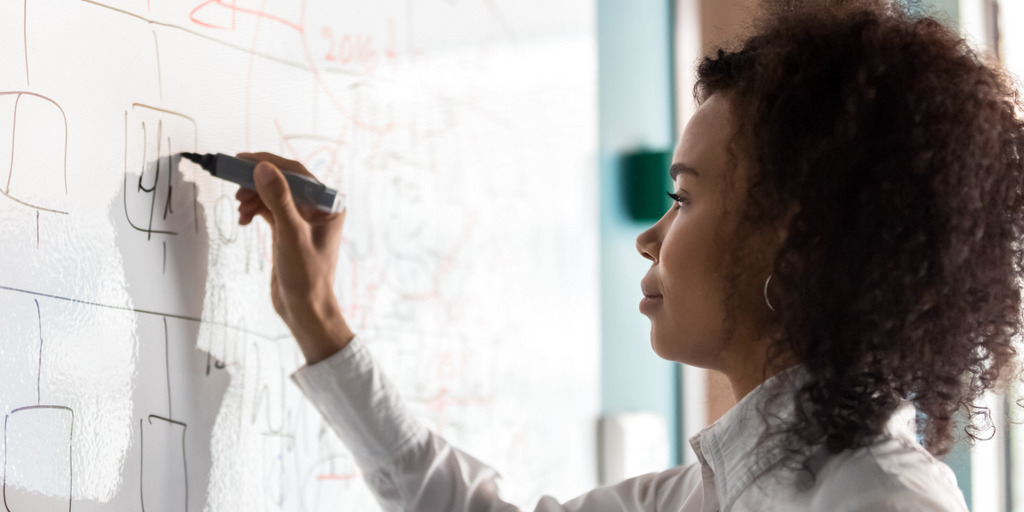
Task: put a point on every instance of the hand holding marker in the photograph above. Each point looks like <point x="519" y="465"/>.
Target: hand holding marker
<point x="304" y="188"/>
<point x="306" y="242"/>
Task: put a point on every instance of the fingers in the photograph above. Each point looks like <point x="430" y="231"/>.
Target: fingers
<point x="278" y="161"/>
<point x="250" y="209"/>
<point x="250" y="205"/>
<point x="276" y="197"/>
<point x="246" y="194"/>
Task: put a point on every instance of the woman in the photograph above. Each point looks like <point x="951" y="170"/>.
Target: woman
<point x="844" y="246"/>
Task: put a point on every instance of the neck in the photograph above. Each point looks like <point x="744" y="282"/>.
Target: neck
<point x="753" y="367"/>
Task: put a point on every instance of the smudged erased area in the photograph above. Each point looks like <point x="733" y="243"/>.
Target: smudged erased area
<point x="67" y="356"/>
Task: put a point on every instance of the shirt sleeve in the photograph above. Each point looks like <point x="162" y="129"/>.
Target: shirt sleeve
<point x="409" y="468"/>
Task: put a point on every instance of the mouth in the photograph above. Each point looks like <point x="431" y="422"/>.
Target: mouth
<point x="649" y="304"/>
<point x="652" y="299"/>
<point x="649" y="291"/>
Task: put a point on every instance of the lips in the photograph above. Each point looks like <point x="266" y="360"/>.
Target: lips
<point x="651" y="300"/>
<point x="649" y="291"/>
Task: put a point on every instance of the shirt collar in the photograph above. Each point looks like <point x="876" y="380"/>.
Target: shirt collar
<point x="728" y="451"/>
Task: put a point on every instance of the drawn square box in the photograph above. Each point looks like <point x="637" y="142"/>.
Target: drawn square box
<point x="38" y="459"/>
<point x="33" y="151"/>
<point x="164" y="466"/>
<point x="157" y="198"/>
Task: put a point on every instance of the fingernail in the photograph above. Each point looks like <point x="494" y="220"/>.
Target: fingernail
<point x="264" y="174"/>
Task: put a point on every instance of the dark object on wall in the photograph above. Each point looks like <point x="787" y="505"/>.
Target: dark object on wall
<point x="644" y="183"/>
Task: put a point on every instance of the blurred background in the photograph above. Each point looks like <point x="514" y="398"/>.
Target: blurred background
<point x="647" y="51"/>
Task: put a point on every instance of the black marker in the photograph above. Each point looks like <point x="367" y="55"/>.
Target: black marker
<point x="304" y="188"/>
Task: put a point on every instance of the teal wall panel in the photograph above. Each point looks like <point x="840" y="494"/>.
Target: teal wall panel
<point x="635" y="95"/>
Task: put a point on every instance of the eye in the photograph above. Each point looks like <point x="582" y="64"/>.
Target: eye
<point x="679" y="200"/>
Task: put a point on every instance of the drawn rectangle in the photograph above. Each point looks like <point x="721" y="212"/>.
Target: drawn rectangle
<point x="38" y="442"/>
<point x="164" y="478"/>
<point x="33" y="151"/>
<point x="157" y="199"/>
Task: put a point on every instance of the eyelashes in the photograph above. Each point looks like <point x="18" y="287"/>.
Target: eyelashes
<point x="680" y="200"/>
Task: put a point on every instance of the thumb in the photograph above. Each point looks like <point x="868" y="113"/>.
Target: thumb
<point x="276" y="195"/>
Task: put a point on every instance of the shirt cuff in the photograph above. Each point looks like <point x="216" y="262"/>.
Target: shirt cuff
<point x="360" y="403"/>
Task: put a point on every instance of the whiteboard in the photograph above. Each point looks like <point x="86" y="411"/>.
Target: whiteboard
<point x="141" y="364"/>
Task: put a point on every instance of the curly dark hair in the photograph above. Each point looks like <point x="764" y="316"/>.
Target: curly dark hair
<point x="899" y="148"/>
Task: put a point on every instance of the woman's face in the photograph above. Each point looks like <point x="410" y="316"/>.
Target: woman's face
<point x="685" y="290"/>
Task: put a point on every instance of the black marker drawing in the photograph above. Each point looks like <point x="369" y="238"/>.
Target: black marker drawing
<point x="268" y="388"/>
<point x="27" y="422"/>
<point x="198" y="320"/>
<point x="227" y="353"/>
<point x="151" y="137"/>
<point x="225" y="344"/>
<point x="162" y="433"/>
<point x="36" y="173"/>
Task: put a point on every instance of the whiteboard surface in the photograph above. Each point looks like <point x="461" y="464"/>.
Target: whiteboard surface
<point x="141" y="364"/>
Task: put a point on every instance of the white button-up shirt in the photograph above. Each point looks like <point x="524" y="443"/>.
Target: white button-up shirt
<point x="410" y="468"/>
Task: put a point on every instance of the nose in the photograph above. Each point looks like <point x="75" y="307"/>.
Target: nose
<point x="648" y="244"/>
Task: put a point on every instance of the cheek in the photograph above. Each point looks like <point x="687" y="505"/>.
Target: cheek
<point x="692" y="329"/>
<point x="690" y="267"/>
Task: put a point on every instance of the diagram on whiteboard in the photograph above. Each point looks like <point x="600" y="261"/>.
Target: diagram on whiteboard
<point x="142" y="366"/>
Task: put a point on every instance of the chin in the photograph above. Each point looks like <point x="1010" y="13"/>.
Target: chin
<point x="678" y="351"/>
<point x="665" y="350"/>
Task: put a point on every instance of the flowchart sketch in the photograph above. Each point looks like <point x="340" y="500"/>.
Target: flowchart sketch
<point x="38" y="441"/>
<point x="174" y="405"/>
<point x="161" y="224"/>
<point x="33" y="151"/>
<point x="67" y="371"/>
<point x="157" y="200"/>
<point x="163" y="465"/>
<point x="142" y="364"/>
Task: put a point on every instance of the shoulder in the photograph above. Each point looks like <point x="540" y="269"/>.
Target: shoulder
<point x="894" y="474"/>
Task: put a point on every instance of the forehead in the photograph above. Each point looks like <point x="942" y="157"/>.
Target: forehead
<point x="705" y="140"/>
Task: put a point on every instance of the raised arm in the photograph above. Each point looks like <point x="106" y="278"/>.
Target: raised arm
<point x="407" y="467"/>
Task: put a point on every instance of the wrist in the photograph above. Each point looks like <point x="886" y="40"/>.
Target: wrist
<point x="318" y="326"/>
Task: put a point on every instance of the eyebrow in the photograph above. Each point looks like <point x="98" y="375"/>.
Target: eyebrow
<point x="678" y="168"/>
